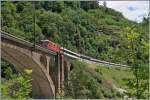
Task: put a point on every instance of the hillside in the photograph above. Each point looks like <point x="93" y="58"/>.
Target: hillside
<point x="91" y="31"/>
<point x="87" y="28"/>
<point x="96" y="81"/>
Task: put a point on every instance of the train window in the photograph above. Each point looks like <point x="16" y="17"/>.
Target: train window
<point x="49" y="45"/>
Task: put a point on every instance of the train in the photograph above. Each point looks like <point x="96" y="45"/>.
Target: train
<point x="57" y="48"/>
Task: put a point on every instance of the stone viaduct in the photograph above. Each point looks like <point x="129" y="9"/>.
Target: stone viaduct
<point x="50" y="69"/>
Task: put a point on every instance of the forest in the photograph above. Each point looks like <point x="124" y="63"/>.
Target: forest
<point x="84" y="27"/>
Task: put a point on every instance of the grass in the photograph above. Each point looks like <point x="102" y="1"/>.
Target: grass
<point x="114" y="75"/>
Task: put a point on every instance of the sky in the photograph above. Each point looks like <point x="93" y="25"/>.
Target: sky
<point x="133" y="10"/>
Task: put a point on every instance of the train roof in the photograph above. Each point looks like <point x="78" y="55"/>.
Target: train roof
<point x="45" y="40"/>
<point x="48" y="41"/>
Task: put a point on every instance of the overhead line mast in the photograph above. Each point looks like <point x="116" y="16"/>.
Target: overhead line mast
<point x="34" y="22"/>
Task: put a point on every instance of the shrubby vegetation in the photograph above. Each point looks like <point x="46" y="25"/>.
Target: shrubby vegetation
<point x="86" y="83"/>
<point x="85" y="27"/>
<point x="15" y="85"/>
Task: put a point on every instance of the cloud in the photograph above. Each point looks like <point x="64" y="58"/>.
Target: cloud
<point x="133" y="10"/>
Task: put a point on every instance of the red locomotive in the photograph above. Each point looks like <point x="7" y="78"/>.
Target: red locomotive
<point x="49" y="44"/>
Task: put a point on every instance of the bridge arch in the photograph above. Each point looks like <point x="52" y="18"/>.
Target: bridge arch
<point x="22" y="58"/>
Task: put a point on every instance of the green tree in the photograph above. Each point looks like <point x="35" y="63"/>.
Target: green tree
<point x="131" y="40"/>
<point x="18" y="87"/>
<point x="104" y="4"/>
<point x="54" y="6"/>
<point x="72" y="4"/>
<point x="86" y="5"/>
<point x="15" y="85"/>
<point x="8" y="14"/>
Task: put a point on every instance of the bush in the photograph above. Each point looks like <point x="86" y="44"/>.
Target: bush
<point x="18" y="87"/>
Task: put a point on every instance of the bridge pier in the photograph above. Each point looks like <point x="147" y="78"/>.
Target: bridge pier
<point x="62" y="78"/>
<point x="48" y="64"/>
<point x="60" y="75"/>
<point x="57" y="75"/>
